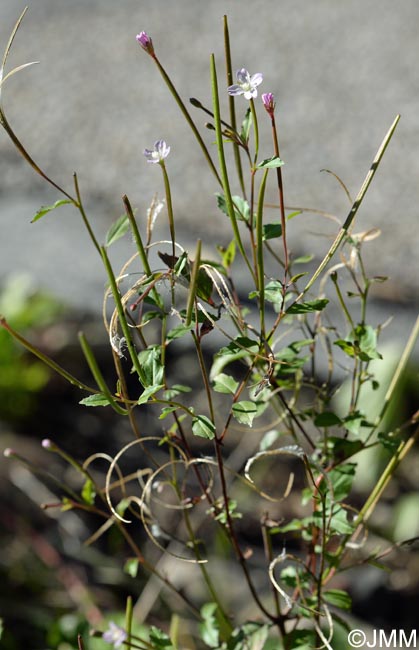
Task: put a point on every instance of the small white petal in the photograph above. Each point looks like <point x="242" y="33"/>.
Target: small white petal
<point x="235" y="90"/>
<point x="242" y="76"/>
<point x="256" y="79"/>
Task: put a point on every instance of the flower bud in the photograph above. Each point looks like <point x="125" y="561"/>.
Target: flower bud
<point x="145" y="41"/>
<point x="269" y="103"/>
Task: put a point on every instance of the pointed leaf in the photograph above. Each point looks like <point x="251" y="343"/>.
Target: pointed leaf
<point x="117" y="230"/>
<point x="338" y="598"/>
<point x="245" y="412"/>
<point x="95" y="400"/>
<point x="88" y="492"/>
<point x="131" y="567"/>
<point x="203" y="427"/>
<point x="225" y="384"/>
<point x="306" y="307"/>
<point x="149" y="392"/>
<point x="48" y="208"/>
<point x="272" y="230"/>
<point x="270" y="163"/>
<point x="246" y="124"/>
<point x="209" y="627"/>
<point x="151" y="365"/>
<point x="327" y="419"/>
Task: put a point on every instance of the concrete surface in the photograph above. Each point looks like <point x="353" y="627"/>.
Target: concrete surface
<point x="340" y="71"/>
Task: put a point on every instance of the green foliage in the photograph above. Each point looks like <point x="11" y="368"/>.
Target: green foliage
<point x="117" y="230"/>
<point x="48" y="208"/>
<point x="192" y="489"/>
<point x="21" y="376"/>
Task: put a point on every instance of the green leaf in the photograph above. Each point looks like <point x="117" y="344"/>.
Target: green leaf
<point x="241" y="207"/>
<point x="166" y="410"/>
<point x="150" y="361"/>
<point x="361" y="343"/>
<point x="252" y="636"/>
<point x="344" y="448"/>
<point x="228" y="254"/>
<point x="203" y="427"/>
<point x="271" y="230"/>
<point x="366" y="338"/>
<point x="117" y="230"/>
<point x="88" y="492"/>
<point x="306" y="307"/>
<point x="131" y="567"/>
<point x="270" y="163"/>
<point x="338" y="598"/>
<point x="48" y="208"/>
<point x="389" y="441"/>
<point x="342" y="478"/>
<point x="175" y="390"/>
<point x="353" y="422"/>
<point x="209" y="629"/>
<point x="149" y="392"/>
<point x="327" y="419"/>
<point x="241" y="347"/>
<point x="268" y="439"/>
<point x="298" y="276"/>
<point x="245" y="412"/>
<point x="159" y="639"/>
<point x="225" y="384"/>
<point x="304" y="259"/>
<point x="177" y="332"/>
<point x="95" y="400"/>
<point x="347" y="347"/>
<point x="301" y="639"/>
<point x="246" y="124"/>
<point x="339" y="523"/>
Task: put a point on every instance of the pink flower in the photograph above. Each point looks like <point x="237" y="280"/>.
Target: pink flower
<point x="246" y="85"/>
<point x="269" y="103"/>
<point x="145" y="41"/>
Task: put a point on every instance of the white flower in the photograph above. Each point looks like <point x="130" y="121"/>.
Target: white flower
<point x="159" y="153"/>
<point x="115" y="635"/>
<point x="246" y="84"/>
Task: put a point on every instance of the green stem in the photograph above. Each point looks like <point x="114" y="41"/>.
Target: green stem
<point x="223" y="166"/>
<point x="343" y="232"/>
<point x="260" y="257"/>
<point x="169" y="206"/>
<point x="187" y="117"/>
<point x="397" y="375"/>
<point x="229" y="73"/>
<point x="256" y="129"/>
<point x="353" y="211"/>
<point x="19" y="146"/>
<point x="371" y="502"/>
<point x="193" y="283"/>
<point x="80" y="207"/>
<point x="122" y="318"/>
<point x="94" y="368"/>
<point x="128" y="621"/>
<point x="345" y="310"/>
<point x="281" y="202"/>
<point x="47" y="360"/>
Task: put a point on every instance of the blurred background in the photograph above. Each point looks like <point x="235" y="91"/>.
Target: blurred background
<point x="340" y="73"/>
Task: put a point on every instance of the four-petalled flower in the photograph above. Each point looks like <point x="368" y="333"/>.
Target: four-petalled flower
<point x="145" y="41"/>
<point x="115" y="635"/>
<point x="246" y="85"/>
<point x="159" y="153"/>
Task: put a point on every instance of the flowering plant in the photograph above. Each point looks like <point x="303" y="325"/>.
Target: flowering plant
<point x="206" y="477"/>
